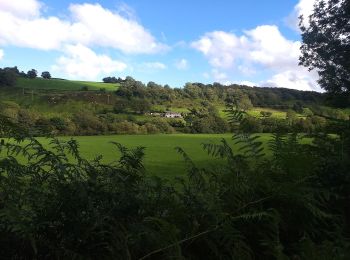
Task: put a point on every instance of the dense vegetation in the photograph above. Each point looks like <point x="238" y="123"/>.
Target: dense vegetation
<point x="63" y="107"/>
<point x="295" y="204"/>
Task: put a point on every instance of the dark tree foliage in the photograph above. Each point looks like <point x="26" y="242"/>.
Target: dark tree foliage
<point x="46" y="75"/>
<point x="32" y="74"/>
<point x="8" y="77"/>
<point x="326" y="44"/>
<point x="112" y="80"/>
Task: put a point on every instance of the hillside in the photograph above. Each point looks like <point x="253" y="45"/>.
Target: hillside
<point x="62" y="84"/>
<point x="65" y="107"/>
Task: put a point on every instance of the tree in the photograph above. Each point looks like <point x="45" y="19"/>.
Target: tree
<point x="121" y="106"/>
<point x="140" y="106"/>
<point x="291" y="116"/>
<point x="32" y="74"/>
<point x="326" y="44"/>
<point x="7" y="77"/>
<point x="245" y="104"/>
<point x="46" y="75"/>
<point x="298" y="107"/>
<point x="110" y="80"/>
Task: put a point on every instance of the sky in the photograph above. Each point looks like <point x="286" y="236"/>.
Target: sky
<point x="172" y="42"/>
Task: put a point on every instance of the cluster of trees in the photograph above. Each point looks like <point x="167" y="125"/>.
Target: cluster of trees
<point x="8" y="75"/>
<point x="85" y="122"/>
<point x="133" y="105"/>
<point x="248" y="96"/>
<point x="310" y="124"/>
<point x="205" y="120"/>
<point x="127" y="117"/>
<point x="112" y="80"/>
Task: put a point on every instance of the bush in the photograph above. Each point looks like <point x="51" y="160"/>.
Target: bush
<point x="162" y="125"/>
<point x="251" y="125"/>
<point x="126" y="127"/>
<point x="88" y="124"/>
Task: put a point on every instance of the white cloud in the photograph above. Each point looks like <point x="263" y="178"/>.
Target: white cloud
<point x="292" y="79"/>
<point x="111" y="30"/>
<point x="269" y="48"/>
<point x="221" y="48"/>
<point x="248" y="83"/>
<point x="88" y="24"/>
<point x="154" y="65"/>
<point x="83" y="63"/>
<point x="1" y="54"/>
<point x="40" y="33"/>
<point x="246" y="70"/>
<point x="219" y="76"/>
<point x="181" y="64"/>
<point x="21" y="8"/>
<point x="263" y="47"/>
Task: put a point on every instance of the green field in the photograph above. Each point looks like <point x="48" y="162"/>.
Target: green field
<point x="161" y="157"/>
<point x="58" y="84"/>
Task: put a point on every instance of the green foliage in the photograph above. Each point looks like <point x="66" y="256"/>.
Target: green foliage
<point x="326" y="44"/>
<point x="7" y="77"/>
<point x="32" y="74"/>
<point x="46" y="75"/>
<point x="205" y="120"/>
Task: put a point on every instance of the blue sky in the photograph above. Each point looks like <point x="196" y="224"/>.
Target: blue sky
<point x="171" y="42"/>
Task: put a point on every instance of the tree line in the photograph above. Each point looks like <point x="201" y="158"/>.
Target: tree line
<point x="9" y="75"/>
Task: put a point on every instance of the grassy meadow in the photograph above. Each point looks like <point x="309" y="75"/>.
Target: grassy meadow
<point x="60" y="84"/>
<point x="160" y="154"/>
<point x="161" y="158"/>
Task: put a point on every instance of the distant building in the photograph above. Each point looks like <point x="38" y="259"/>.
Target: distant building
<point x="172" y="115"/>
<point x="155" y="114"/>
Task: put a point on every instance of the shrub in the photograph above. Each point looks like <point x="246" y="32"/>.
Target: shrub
<point x="88" y="124"/>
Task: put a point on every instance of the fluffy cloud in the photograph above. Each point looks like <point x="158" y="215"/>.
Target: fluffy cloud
<point x="263" y="47"/>
<point x="219" y="76"/>
<point x="269" y="48"/>
<point x="181" y="64"/>
<point x="248" y="83"/>
<point x="221" y="48"/>
<point x="154" y="66"/>
<point x="292" y="79"/>
<point x="21" y="8"/>
<point x="1" y="54"/>
<point x="23" y="24"/>
<point x="111" y="30"/>
<point x="83" y="63"/>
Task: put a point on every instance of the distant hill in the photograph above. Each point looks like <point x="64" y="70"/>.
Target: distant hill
<point x="62" y="84"/>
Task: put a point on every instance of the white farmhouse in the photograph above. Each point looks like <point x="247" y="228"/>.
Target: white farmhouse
<point x="172" y="115"/>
